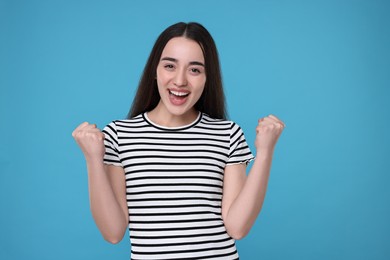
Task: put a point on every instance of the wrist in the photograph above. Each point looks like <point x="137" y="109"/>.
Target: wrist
<point x="94" y="162"/>
<point x="264" y="153"/>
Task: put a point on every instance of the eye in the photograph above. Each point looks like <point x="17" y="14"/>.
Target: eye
<point x="195" y="71"/>
<point x="169" y="66"/>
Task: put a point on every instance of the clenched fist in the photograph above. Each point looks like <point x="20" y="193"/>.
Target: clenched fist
<point x="268" y="131"/>
<point x="91" y="141"/>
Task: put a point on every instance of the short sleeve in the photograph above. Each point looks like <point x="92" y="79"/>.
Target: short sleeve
<point x="111" y="155"/>
<point x="239" y="151"/>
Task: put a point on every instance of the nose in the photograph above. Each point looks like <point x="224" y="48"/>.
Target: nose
<point x="180" y="78"/>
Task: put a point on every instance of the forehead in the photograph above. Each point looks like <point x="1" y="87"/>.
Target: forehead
<point x="183" y="49"/>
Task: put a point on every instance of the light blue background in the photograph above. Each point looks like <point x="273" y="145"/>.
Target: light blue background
<point x="321" y="66"/>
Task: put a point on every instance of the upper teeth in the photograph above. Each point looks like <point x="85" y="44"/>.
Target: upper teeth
<point x="177" y="93"/>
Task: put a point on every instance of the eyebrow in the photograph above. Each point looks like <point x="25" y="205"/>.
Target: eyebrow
<point x="175" y="60"/>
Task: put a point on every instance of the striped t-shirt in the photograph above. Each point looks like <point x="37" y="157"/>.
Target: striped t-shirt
<point x="174" y="179"/>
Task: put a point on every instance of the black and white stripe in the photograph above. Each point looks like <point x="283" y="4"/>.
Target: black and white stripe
<point x="174" y="179"/>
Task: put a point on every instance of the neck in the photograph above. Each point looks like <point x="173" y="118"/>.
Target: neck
<point x="162" y="117"/>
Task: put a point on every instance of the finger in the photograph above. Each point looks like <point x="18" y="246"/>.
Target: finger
<point x="90" y="126"/>
<point x="266" y="125"/>
<point x="267" y="121"/>
<point x="273" y="117"/>
<point x="270" y="124"/>
<point x="95" y="133"/>
<point x="79" y="127"/>
<point x="99" y="134"/>
<point x="276" y="120"/>
<point x="85" y="127"/>
<point x="87" y="130"/>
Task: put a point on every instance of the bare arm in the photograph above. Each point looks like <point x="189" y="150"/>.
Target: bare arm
<point x="107" y="190"/>
<point x="243" y="196"/>
<point x="107" y="194"/>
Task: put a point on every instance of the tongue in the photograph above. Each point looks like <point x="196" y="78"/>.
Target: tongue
<point x="177" y="100"/>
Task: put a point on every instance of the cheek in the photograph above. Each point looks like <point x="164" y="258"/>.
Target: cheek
<point x="161" y="86"/>
<point x="161" y="80"/>
<point x="199" y="92"/>
<point x="201" y="85"/>
<point x="161" y="75"/>
<point x="158" y="76"/>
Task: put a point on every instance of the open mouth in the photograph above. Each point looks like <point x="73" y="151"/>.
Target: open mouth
<point x="178" y="98"/>
<point x="179" y="94"/>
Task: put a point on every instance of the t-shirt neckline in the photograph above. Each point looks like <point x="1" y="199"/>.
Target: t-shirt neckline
<point x="177" y="128"/>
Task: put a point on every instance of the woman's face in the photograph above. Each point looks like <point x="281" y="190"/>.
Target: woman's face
<point x="181" y="76"/>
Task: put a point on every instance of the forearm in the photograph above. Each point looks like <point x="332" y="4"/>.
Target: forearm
<point x="246" y="207"/>
<point x="106" y="209"/>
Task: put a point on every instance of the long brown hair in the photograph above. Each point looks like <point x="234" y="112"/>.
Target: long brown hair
<point x="212" y="100"/>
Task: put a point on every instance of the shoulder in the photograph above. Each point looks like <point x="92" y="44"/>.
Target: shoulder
<point x="126" y="122"/>
<point x="208" y="120"/>
<point x="223" y="123"/>
<point x="120" y="125"/>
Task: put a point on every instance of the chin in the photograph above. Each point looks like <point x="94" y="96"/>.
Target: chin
<point x="180" y="111"/>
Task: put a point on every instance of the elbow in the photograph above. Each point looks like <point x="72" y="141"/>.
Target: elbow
<point x="237" y="235"/>
<point x="236" y="228"/>
<point x="113" y="236"/>
<point x="113" y="239"/>
<point x="237" y="232"/>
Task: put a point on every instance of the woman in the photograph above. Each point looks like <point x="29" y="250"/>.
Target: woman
<point x="174" y="172"/>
